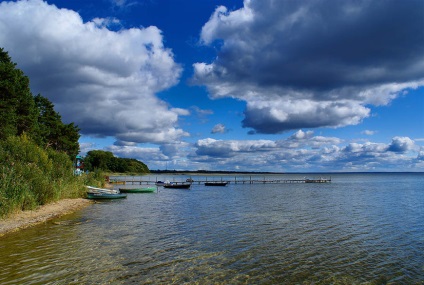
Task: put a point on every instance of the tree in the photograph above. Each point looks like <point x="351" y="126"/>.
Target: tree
<point x="52" y="131"/>
<point x="68" y="140"/>
<point x="104" y="160"/>
<point x="98" y="159"/>
<point x="17" y="108"/>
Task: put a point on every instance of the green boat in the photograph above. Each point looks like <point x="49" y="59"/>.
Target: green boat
<point x="105" y="196"/>
<point x="138" y="190"/>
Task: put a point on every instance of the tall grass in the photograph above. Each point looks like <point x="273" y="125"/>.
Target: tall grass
<point x="31" y="176"/>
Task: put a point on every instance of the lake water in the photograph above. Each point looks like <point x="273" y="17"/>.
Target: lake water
<point x="360" y="228"/>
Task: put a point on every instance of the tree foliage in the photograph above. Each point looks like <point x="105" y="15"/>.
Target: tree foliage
<point x="105" y="161"/>
<point x="21" y="112"/>
<point x="17" y="107"/>
<point x="52" y="132"/>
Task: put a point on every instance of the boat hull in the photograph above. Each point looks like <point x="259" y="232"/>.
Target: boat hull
<point x="178" y="186"/>
<point x="216" y="183"/>
<point x="105" y="196"/>
<point x="92" y="189"/>
<point x="320" y="180"/>
<point x="138" y="190"/>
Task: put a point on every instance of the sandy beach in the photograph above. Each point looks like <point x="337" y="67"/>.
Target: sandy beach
<point x="25" y="219"/>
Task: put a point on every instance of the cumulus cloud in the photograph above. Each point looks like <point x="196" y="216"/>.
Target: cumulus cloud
<point x="401" y="144"/>
<point x="219" y="129"/>
<point x="313" y="64"/>
<point x="303" y="151"/>
<point x="105" y="81"/>
<point x="144" y="154"/>
<point x="229" y="148"/>
<point x="307" y="139"/>
<point x="420" y="156"/>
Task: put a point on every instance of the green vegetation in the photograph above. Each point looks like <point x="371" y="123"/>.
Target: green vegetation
<point x="105" y="161"/>
<point x="36" y="147"/>
<point x="31" y="176"/>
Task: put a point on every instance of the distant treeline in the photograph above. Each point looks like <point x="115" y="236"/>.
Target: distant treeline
<point x="107" y="162"/>
<point x="209" y="172"/>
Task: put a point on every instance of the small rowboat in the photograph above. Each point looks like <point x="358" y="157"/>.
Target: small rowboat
<point x="215" y="183"/>
<point x="103" y="193"/>
<point x="92" y="189"/>
<point x="106" y="196"/>
<point x="138" y="190"/>
<point x="177" y="185"/>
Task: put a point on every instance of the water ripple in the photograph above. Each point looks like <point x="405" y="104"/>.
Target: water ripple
<point x="352" y="231"/>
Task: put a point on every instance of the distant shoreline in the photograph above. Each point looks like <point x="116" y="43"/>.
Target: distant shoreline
<point x="265" y="172"/>
<point x="209" y="172"/>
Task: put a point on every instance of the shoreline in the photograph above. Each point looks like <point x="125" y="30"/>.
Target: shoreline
<point x="25" y="219"/>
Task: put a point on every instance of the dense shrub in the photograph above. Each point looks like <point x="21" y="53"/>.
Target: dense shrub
<point x="31" y="176"/>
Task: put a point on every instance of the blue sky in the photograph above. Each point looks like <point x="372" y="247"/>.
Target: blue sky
<point x="254" y="85"/>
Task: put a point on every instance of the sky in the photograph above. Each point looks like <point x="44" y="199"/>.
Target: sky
<point x="231" y="85"/>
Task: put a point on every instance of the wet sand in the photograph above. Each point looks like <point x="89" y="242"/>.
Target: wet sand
<point x="25" y="219"/>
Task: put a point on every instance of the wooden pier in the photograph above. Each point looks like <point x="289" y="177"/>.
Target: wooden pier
<point x="236" y="180"/>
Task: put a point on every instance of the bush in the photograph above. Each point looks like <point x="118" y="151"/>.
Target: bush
<point x="31" y="176"/>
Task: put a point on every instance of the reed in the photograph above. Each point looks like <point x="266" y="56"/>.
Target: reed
<point x="31" y="176"/>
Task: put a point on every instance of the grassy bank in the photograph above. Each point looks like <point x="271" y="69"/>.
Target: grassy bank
<point x="31" y="176"/>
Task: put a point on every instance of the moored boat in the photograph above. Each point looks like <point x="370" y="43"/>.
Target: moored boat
<point x="138" y="190"/>
<point x="105" y="196"/>
<point x="216" y="183"/>
<point x="92" y="189"/>
<point x="319" y="180"/>
<point x="182" y="185"/>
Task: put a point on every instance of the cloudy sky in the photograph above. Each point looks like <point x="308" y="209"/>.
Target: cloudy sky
<point x="254" y="85"/>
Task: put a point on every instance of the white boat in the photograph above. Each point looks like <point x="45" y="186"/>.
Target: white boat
<point x="97" y="190"/>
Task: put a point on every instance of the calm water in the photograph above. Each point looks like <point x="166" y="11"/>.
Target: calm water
<point x="360" y="228"/>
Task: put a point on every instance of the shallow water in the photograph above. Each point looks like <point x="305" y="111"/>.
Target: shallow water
<point x="359" y="228"/>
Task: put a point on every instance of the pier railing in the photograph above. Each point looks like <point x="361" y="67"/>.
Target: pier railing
<point x="132" y="181"/>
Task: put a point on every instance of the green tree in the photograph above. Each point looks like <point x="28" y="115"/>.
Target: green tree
<point x="17" y="108"/>
<point x="52" y="131"/>
<point x="98" y="159"/>
<point x="68" y="140"/>
<point x="105" y="161"/>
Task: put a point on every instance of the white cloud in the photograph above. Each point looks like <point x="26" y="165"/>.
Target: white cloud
<point x="105" y="81"/>
<point x="368" y="132"/>
<point x="124" y="3"/>
<point x="223" y="21"/>
<point x="312" y="64"/>
<point x="219" y="128"/>
<point x="228" y="148"/>
<point x="401" y="144"/>
<point x="301" y="135"/>
<point x="144" y="154"/>
<point x="303" y="151"/>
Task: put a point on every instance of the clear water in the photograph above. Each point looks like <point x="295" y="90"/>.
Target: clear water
<point x="359" y="229"/>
